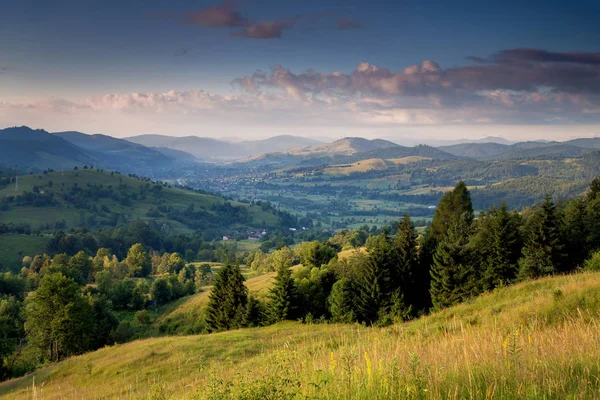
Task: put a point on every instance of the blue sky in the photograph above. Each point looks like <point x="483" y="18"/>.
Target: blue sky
<point x="60" y="60"/>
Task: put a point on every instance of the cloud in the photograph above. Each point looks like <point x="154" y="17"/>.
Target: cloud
<point x="543" y="56"/>
<point x="227" y="15"/>
<point x="265" y="30"/>
<point x="345" y="24"/>
<point x="223" y="15"/>
<point x="368" y="97"/>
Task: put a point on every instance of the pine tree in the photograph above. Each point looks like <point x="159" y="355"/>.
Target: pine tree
<point x="227" y="300"/>
<point x="542" y="253"/>
<point x="282" y="296"/>
<point x="498" y="246"/>
<point x="453" y="278"/>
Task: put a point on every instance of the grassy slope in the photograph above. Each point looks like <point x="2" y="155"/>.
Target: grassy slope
<point x="538" y="339"/>
<point x="186" y="311"/>
<point x="176" y="198"/>
<point x="14" y="247"/>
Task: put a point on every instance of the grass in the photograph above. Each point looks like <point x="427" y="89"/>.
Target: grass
<point x="14" y="247"/>
<point x="64" y="181"/>
<point x="536" y="340"/>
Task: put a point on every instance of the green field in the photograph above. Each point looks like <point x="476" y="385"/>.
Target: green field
<point x="59" y="183"/>
<point x="535" y="340"/>
<point x="14" y="247"/>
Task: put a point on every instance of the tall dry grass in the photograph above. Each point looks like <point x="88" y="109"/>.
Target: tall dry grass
<point x="537" y="340"/>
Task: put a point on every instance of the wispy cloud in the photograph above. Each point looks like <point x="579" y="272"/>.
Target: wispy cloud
<point x="223" y="15"/>
<point x="228" y="15"/>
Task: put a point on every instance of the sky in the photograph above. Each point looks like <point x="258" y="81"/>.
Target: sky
<point x="328" y="68"/>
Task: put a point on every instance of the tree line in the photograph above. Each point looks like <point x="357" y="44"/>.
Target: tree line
<point x="403" y="275"/>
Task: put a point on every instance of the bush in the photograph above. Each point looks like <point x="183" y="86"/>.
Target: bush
<point x="593" y="263"/>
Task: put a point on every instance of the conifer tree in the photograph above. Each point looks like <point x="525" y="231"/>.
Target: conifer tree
<point x="341" y="302"/>
<point x="576" y="232"/>
<point x="453" y="278"/>
<point x="542" y="253"/>
<point x="282" y="296"/>
<point x="405" y="274"/>
<point x="227" y="300"/>
<point x="453" y="205"/>
<point x="498" y="246"/>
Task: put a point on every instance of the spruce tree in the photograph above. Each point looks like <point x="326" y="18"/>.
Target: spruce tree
<point x="227" y="300"/>
<point x="406" y="273"/>
<point x="452" y="206"/>
<point x="453" y="278"/>
<point x="341" y="300"/>
<point x="498" y="246"/>
<point x="542" y="253"/>
<point x="282" y="296"/>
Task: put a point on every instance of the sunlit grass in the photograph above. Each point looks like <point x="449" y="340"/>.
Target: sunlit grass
<point x="538" y="340"/>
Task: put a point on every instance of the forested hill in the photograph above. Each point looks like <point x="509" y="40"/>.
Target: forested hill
<point x="92" y="199"/>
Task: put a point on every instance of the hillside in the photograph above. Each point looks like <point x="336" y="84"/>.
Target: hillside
<point x="38" y="149"/>
<point x="475" y="150"/>
<point x="346" y="146"/>
<point x="112" y="152"/>
<point x="538" y="339"/>
<point x="93" y="199"/>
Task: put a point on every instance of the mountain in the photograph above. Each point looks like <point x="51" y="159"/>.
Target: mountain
<point x="38" y="150"/>
<point x="347" y="150"/>
<point x="346" y="146"/>
<point x="176" y="154"/>
<point x="277" y="144"/>
<point x="117" y="153"/>
<point x="200" y="147"/>
<point x="475" y="150"/>
<point x="412" y="141"/>
<point x="588" y="143"/>
<point x="213" y="149"/>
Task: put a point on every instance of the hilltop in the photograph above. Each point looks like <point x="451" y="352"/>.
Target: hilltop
<point x="537" y="339"/>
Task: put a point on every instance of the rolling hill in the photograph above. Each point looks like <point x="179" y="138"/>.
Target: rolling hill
<point x="94" y="199"/>
<point x="538" y="339"/>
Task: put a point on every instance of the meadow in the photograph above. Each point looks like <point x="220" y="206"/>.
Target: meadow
<point x="537" y="340"/>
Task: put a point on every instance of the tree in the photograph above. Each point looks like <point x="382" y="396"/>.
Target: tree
<point x="58" y="318"/>
<point x="81" y="262"/>
<point x="282" y="295"/>
<point x="12" y="333"/>
<point x="227" y="300"/>
<point x="315" y="254"/>
<point x="406" y="273"/>
<point x="161" y="291"/>
<point x="138" y="261"/>
<point x="453" y="277"/>
<point x="497" y="245"/>
<point x="453" y="206"/>
<point x="542" y="253"/>
<point x="341" y="302"/>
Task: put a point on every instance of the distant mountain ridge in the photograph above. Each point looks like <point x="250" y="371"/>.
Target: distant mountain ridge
<point x="205" y="148"/>
<point x="530" y="149"/>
